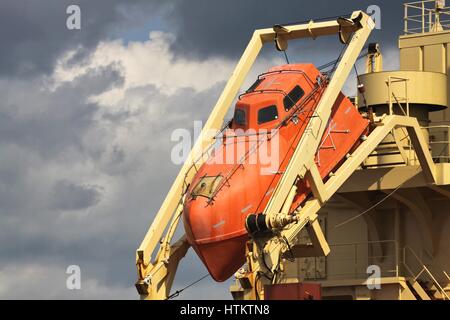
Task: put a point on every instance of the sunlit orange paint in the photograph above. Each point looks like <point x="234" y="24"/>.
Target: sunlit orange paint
<point x="215" y="223"/>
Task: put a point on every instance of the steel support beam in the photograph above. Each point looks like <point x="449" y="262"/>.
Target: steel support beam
<point x="274" y="248"/>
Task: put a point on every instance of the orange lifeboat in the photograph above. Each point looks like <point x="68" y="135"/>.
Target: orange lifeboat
<point x="239" y="177"/>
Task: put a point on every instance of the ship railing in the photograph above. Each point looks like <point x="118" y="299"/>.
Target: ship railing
<point x="426" y="16"/>
<point x="422" y="272"/>
<point x="440" y="145"/>
<point x="438" y="141"/>
<point x="352" y="261"/>
<point x="396" y="100"/>
<point x="203" y="156"/>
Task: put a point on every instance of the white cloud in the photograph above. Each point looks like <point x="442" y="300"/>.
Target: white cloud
<point x="148" y="63"/>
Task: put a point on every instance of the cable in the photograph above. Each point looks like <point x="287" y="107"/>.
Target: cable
<point x="336" y="63"/>
<point x="292" y="258"/>
<point x="372" y="207"/>
<point x="330" y="63"/>
<point x="286" y="57"/>
<point x="177" y="293"/>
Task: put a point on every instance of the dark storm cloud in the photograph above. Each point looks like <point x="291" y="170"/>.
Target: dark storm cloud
<point x="70" y="196"/>
<point x="205" y="28"/>
<point x="54" y="120"/>
<point x="34" y="33"/>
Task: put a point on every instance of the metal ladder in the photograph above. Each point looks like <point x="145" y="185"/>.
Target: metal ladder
<point x="414" y="280"/>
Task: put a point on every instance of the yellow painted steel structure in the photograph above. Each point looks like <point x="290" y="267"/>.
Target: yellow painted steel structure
<point x="385" y="207"/>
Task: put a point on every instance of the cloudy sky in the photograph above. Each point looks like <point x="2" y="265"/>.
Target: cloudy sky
<point x="86" y="118"/>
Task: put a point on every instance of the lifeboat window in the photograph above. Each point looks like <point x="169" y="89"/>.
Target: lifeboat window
<point x="267" y="114"/>
<point x="239" y="117"/>
<point x="206" y="186"/>
<point x="293" y="97"/>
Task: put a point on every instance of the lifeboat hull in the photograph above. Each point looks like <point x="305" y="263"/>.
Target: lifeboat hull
<point x="223" y="194"/>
